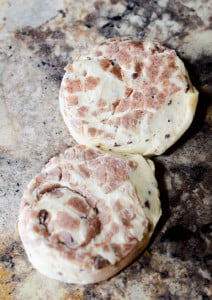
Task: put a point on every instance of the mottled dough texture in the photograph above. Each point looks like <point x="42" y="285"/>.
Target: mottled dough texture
<point x="88" y="214"/>
<point x="128" y="96"/>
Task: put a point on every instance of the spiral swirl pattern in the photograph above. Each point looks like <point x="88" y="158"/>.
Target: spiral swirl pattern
<point x="87" y="213"/>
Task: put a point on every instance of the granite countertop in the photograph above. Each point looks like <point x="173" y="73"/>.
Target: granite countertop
<point x="37" y="39"/>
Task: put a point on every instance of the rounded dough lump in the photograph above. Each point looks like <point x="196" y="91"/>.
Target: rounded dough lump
<point x="88" y="214"/>
<point x="128" y="96"/>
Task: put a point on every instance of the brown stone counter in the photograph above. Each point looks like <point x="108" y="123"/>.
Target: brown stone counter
<point x="37" y="39"/>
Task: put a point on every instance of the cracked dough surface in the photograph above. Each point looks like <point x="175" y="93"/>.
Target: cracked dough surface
<point x="128" y="96"/>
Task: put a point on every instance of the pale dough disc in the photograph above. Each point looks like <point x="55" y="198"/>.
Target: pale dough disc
<point x="88" y="214"/>
<point x="128" y="96"/>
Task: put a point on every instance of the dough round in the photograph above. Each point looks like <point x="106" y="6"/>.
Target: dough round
<point x="128" y="96"/>
<point x="88" y="214"/>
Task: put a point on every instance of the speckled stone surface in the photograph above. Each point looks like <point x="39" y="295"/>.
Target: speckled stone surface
<point x="37" y="39"/>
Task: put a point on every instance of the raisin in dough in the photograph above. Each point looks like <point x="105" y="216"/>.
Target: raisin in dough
<point x="88" y="214"/>
<point x="128" y="96"/>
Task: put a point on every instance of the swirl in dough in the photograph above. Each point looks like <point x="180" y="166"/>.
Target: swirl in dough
<point x="88" y="214"/>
